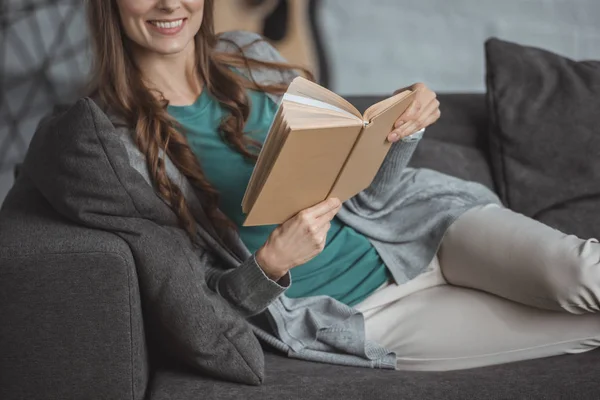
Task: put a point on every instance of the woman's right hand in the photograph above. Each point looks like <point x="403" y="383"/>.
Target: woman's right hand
<point x="298" y="240"/>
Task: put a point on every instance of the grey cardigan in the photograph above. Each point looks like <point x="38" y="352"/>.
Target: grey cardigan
<point x="404" y="213"/>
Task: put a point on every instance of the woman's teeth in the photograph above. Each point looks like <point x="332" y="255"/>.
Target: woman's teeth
<point x="167" y="25"/>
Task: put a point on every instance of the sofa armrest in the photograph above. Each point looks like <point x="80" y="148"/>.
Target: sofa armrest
<point x="70" y="316"/>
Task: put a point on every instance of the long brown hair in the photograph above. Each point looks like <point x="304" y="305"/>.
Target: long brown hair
<point x="117" y="82"/>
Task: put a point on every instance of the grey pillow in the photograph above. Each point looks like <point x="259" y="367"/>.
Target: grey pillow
<point x="545" y="135"/>
<point x="81" y="167"/>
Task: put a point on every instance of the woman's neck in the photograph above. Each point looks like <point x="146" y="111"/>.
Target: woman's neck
<point x="174" y="75"/>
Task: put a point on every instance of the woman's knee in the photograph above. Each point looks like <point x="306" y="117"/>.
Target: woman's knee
<point x="576" y="281"/>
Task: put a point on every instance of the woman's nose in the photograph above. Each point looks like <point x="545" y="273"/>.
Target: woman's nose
<point x="168" y="6"/>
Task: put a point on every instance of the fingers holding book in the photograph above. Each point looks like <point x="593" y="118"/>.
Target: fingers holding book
<point x="298" y="240"/>
<point x="423" y="111"/>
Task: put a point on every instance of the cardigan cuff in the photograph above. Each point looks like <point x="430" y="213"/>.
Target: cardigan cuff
<point x="249" y="289"/>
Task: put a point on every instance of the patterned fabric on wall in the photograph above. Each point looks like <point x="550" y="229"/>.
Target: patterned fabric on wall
<point x="44" y="60"/>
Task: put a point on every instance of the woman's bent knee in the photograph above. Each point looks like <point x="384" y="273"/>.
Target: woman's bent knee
<point x="576" y="282"/>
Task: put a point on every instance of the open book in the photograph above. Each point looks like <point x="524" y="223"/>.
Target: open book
<point x="318" y="146"/>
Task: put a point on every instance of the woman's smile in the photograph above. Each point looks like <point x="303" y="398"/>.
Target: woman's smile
<point x="168" y="27"/>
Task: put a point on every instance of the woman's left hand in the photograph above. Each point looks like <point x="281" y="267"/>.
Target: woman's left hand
<point x="423" y="111"/>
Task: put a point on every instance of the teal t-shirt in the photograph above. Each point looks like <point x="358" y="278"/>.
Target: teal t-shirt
<point x="348" y="269"/>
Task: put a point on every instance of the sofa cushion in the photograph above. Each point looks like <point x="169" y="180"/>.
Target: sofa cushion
<point x="545" y="135"/>
<point x="564" y="377"/>
<point x="78" y="162"/>
<point x="457" y="143"/>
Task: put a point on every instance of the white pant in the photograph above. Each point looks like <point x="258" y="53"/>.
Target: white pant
<point x="502" y="288"/>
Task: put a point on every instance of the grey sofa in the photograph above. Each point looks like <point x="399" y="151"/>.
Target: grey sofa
<point x="71" y="322"/>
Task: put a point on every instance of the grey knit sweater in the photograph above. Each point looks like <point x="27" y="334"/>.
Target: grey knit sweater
<point x="404" y="213"/>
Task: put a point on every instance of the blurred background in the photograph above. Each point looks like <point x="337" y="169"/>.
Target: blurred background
<point x="354" y="46"/>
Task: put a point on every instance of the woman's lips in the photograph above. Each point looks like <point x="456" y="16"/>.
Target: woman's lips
<point x="164" y="27"/>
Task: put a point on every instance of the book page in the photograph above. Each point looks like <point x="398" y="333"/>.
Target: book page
<point x="263" y="162"/>
<point x="318" y="105"/>
<point x="299" y="115"/>
<point x="383" y="105"/>
<point x="305" y="88"/>
<point x="271" y="155"/>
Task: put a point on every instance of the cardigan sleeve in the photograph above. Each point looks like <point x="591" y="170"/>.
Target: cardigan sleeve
<point x="255" y="46"/>
<point x="387" y="177"/>
<point x="246" y="288"/>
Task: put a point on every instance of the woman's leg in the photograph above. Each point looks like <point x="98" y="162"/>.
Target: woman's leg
<point x="496" y="250"/>
<point x="447" y="327"/>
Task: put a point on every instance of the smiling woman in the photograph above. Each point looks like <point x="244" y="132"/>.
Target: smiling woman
<point x="152" y="54"/>
<point x="205" y="102"/>
<point x="164" y="29"/>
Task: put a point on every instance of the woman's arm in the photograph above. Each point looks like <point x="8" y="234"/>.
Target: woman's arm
<point x="387" y="177"/>
<point x="259" y="280"/>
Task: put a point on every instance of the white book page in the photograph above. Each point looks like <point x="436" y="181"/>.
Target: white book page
<point x="316" y="103"/>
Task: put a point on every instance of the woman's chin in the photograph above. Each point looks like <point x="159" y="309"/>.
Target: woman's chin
<point x="167" y="49"/>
